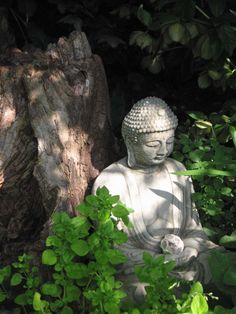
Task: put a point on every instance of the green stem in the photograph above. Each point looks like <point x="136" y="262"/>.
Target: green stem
<point x="101" y="308"/>
<point x="202" y="12"/>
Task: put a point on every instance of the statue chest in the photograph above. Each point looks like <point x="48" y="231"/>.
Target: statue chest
<point x="154" y="197"/>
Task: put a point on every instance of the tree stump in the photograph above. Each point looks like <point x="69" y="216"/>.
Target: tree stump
<point x="55" y="137"/>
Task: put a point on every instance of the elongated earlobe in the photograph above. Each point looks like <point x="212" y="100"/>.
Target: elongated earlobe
<point x="131" y="158"/>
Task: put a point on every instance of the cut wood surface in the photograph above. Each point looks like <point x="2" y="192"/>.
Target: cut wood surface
<point x="55" y="137"/>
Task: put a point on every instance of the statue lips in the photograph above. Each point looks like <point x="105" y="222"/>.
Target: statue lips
<point x="160" y="157"/>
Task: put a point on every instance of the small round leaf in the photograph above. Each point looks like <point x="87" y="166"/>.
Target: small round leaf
<point x="49" y="257"/>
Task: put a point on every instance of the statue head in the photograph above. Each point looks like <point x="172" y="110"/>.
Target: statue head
<point x="148" y="131"/>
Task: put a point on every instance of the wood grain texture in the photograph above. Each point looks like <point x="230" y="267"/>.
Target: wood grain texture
<point x="55" y="137"/>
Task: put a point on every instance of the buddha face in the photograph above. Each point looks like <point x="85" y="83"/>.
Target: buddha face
<point x="152" y="149"/>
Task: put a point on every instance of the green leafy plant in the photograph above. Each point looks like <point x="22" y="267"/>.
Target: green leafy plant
<point x="208" y="152"/>
<point x="161" y="295"/>
<point x="79" y="267"/>
<point x="80" y="260"/>
<point x="223" y="268"/>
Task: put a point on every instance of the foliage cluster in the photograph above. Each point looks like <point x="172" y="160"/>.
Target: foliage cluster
<point x="79" y="267"/>
<point x="207" y="148"/>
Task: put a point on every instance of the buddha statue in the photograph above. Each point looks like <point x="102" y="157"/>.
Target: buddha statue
<point x="165" y="219"/>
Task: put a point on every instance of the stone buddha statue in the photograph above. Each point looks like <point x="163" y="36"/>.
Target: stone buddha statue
<point x="165" y="220"/>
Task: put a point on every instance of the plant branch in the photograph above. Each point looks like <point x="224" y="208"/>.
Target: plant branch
<point x="202" y="12"/>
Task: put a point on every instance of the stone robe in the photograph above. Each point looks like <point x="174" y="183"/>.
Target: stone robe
<point x="162" y="205"/>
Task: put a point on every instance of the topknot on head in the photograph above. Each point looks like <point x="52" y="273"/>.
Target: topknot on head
<point x="148" y="115"/>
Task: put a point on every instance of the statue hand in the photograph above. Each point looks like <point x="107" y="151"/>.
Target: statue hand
<point x="186" y="256"/>
<point x="183" y="258"/>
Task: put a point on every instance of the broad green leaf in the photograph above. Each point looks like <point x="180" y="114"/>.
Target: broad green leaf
<point x="72" y="293"/>
<point x="38" y="304"/>
<point x="206" y="172"/>
<point x="217" y="7"/>
<point x="176" y="32"/>
<point x="3" y="296"/>
<point x="119" y="211"/>
<point x="111" y="308"/>
<point x="144" y="16"/>
<point x="116" y="257"/>
<point x="80" y="247"/>
<point x="6" y="271"/>
<point x="219" y="262"/>
<point x="51" y="289"/>
<point x="92" y="200"/>
<point x="197" y="115"/>
<point x="232" y="130"/>
<point x="16" y="279"/>
<point x="66" y="310"/>
<point x="203" y="124"/>
<point x="53" y="241"/>
<point x="119" y="237"/>
<point x="93" y="240"/>
<point x="49" y="257"/>
<point x="84" y="209"/>
<point x="101" y="258"/>
<point x="76" y="271"/>
<point x="199" y="305"/>
<point x="114" y="199"/>
<point x="196" y="288"/>
<point x="133" y="37"/>
<point x="203" y="81"/>
<point x="67" y="256"/>
<point x="144" y="40"/>
<point x="230" y="276"/>
<point x="215" y="75"/>
<point x="226" y="191"/>
<point x="79" y="221"/>
<point x="21" y="299"/>
<point x="107" y="228"/>
<point x="54" y="306"/>
<point x="196" y="155"/>
<point x="103" y="192"/>
<point x="206" y="52"/>
<point x="227" y="35"/>
<point x="192" y="30"/>
<point x="119" y="294"/>
<point x="135" y="311"/>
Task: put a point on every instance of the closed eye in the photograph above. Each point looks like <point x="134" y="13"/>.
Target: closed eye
<point x="153" y="144"/>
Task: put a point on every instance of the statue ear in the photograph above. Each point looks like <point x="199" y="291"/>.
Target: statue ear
<point x="131" y="158"/>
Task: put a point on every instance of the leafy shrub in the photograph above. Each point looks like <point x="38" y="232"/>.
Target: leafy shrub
<point x="206" y="147"/>
<point x="80" y="262"/>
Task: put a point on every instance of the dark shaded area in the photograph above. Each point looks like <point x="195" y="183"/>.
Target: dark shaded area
<point x="40" y="23"/>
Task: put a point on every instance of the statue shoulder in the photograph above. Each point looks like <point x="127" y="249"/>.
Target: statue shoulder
<point x="174" y="165"/>
<point x="112" y="177"/>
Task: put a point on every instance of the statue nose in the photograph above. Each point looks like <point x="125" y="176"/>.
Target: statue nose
<point x="163" y="150"/>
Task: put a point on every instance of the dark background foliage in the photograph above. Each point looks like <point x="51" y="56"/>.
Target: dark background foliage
<point x="140" y="54"/>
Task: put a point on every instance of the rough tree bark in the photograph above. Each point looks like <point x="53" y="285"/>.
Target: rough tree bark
<point x="55" y="137"/>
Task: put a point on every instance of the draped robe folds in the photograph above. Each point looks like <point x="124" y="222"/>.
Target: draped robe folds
<point x="181" y="215"/>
